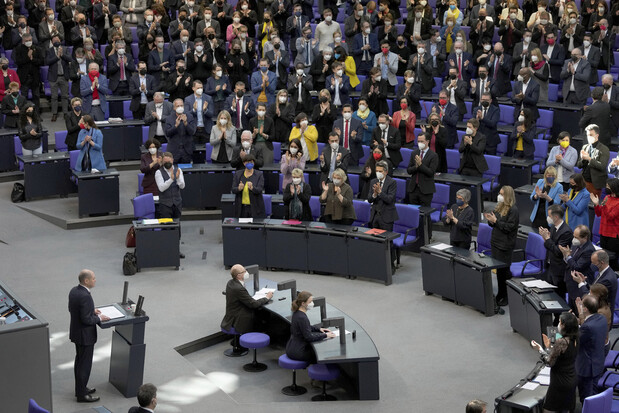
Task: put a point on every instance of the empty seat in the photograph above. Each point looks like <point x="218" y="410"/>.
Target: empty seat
<point x="362" y="210"/>
<point x="406" y="225"/>
<point x="59" y="141"/>
<point x="534" y="257"/>
<point x="440" y="202"/>
<point x="493" y="172"/>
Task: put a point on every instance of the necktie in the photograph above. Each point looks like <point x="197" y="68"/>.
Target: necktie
<point x="332" y="166"/>
<point x="460" y="66"/>
<point x="307" y="54"/>
<point x="122" y="68"/>
<point x="61" y="69"/>
<point x="417" y="175"/>
<point x="496" y="67"/>
<point x="483" y="115"/>
<point x="346" y="135"/>
<point x="238" y="113"/>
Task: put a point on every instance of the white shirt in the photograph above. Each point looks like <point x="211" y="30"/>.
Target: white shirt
<point x="572" y="87"/>
<point x="164" y="185"/>
<point x="143" y="99"/>
<point x="159" y="111"/>
<point x="550" y="49"/>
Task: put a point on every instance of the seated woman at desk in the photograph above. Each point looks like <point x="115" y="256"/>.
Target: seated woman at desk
<point x="89" y="143"/>
<point x="30" y="130"/>
<point x="247" y="185"/>
<point x="504" y="221"/>
<point x="292" y="159"/>
<point x="460" y="220"/>
<point x="545" y="193"/>
<point x="520" y="143"/>
<point x="297" y="195"/>
<point x="561" y="393"/>
<point x="563" y="157"/>
<point x="337" y="197"/>
<point x="302" y="333"/>
<point x="576" y="203"/>
<point x="150" y="163"/>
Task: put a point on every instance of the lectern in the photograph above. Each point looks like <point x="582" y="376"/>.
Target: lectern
<point x="128" y="350"/>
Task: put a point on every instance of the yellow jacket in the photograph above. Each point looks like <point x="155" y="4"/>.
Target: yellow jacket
<point x="351" y="71"/>
<point x="311" y="137"/>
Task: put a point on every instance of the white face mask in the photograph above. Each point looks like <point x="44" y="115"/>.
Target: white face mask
<point x="339" y="73"/>
<point x="572" y="21"/>
<point x="380" y="176"/>
<point x="283" y="99"/>
<point x="246" y="276"/>
<point x="28" y="44"/>
<point x="378" y="78"/>
<point x="223" y="122"/>
<point x="246" y="144"/>
<point x="199" y="49"/>
<point x="185" y="39"/>
<point x="121" y="52"/>
<point x="236" y="20"/>
<point x="591" y="140"/>
<point x="328" y="18"/>
<point x="337" y="182"/>
<point x="347" y="115"/>
<point x="199" y="91"/>
<point x="310" y="306"/>
<point x="527" y="39"/>
<point x="500" y="198"/>
<point x="421" y="50"/>
<point x="362" y="108"/>
<point x="190" y="4"/>
<point x="244" y="7"/>
<point x="367" y="31"/>
<point x="327" y="57"/>
<point x="411" y="80"/>
<point x="261" y="113"/>
<point x="422" y="146"/>
<point x="303" y="123"/>
<point x="334" y="146"/>
<point x="520" y="78"/>
<point x="207" y="17"/>
<point x="337" y="39"/>
<point x="80" y="60"/>
<point x="293" y="151"/>
<point x="423" y="3"/>
<point x="149" y="18"/>
<point x="458" y="51"/>
<point x="300" y="72"/>
<point x="534" y="58"/>
<point x="160" y="45"/>
<point x="360" y="13"/>
<point x="152" y="150"/>
<point x="575" y="242"/>
<point x="520" y="118"/>
<point x="469" y="131"/>
<point x="487" y="47"/>
<point x="382" y="126"/>
<point x="513" y="16"/>
<point x="586" y="43"/>
<point x="541" y="9"/>
<point x="418" y="15"/>
<point x="296" y="181"/>
<point x="180" y="110"/>
<point x="543" y="22"/>
<point x="549" y="221"/>
<point x="219" y="73"/>
<point x="482" y="2"/>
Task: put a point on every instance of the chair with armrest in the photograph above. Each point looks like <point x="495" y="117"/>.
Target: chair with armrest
<point x="440" y="201"/>
<point x="406" y="225"/>
<point x="144" y="206"/>
<point x="362" y="210"/>
<point x="534" y="258"/>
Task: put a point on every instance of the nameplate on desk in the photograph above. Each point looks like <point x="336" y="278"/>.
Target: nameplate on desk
<point x="246" y="220"/>
<point x="184" y="165"/>
<point x="111" y="311"/>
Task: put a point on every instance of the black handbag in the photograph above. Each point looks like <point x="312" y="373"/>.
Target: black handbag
<point x="18" y="194"/>
<point x="86" y="164"/>
<point x="130" y="264"/>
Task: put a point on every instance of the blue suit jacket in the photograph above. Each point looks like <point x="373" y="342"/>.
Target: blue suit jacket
<point x="468" y="70"/>
<point x="554" y="193"/>
<point x="180" y="139"/>
<point x="488" y="125"/>
<point x="83" y="329"/>
<point x="96" y="151"/>
<point x="530" y="99"/>
<point x="590" y="357"/>
<point x="609" y="280"/>
<point x="207" y="116"/>
<point x="154" y="62"/>
<point x="450" y="121"/>
<point x="113" y="69"/>
<point x="177" y="49"/>
<point x="245" y="115"/>
<point x="356" y="149"/>
<point x="358" y="44"/>
<point x="577" y="209"/>
<point x="256" y="86"/>
<point x="501" y="82"/>
<point x="579" y="260"/>
<point x="86" y="93"/>
<point x="344" y="88"/>
<point x="136" y="93"/>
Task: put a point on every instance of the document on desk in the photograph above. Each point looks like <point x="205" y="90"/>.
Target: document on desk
<point x="111" y="311"/>
<point x="336" y="331"/>
<point x="538" y="284"/>
<point x="150" y="221"/>
<point x="543" y="380"/>
<point x="441" y="246"/>
<point x="530" y="385"/>
<point x="263" y="293"/>
<point x="246" y="220"/>
<point x="552" y="304"/>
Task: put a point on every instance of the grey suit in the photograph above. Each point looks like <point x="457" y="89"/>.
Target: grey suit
<point x="138" y="12"/>
<point x="581" y="82"/>
<point x="593" y="57"/>
<point x="45" y="37"/>
<point x="151" y="121"/>
<point x="302" y="53"/>
<point x="202" y="25"/>
<point x="392" y="59"/>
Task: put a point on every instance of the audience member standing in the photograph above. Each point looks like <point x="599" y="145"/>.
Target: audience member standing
<point x="29" y="58"/>
<point x="608" y="211"/>
<point x="422" y="167"/>
<point x="30" y="130"/>
<point x="179" y="128"/>
<point x="594" y="161"/>
<point x="559" y="234"/>
<point x="577" y="259"/>
<point x="545" y="194"/>
<point x="459" y="219"/>
<point x="170" y="181"/>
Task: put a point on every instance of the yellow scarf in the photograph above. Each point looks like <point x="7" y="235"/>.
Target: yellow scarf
<point x="363" y="115"/>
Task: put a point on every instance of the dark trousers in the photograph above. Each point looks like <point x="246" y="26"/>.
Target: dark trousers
<point x="36" y="94"/>
<point x="82" y="368"/>
<point x="139" y="114"/>
<point x="170" y="212"/>
<point x="122" y="89"/>
<point x="490" y="150"/>
<point x="470" y="172"/>
<point x="559" y="282"/>
<point x="571" y="98"/>
<point x="611" y="244"/>
<point x="587" y="386"/>
<point x="502" y="274"/>
<point x="364" y="68"/>
<point x="343" y="221"/>
<point x="245" y="211"/>
<point x="461" y="244"/>
<point x="161" y="138"/>
<point x="200" y="136"/>
<point x="417" y="198"/>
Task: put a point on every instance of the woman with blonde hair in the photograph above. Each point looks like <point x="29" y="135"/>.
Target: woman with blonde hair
<point x="541" y="72"/>
<point x="504" y="221"/>
<point x="307" y="134"/>
<point x="547" y="190"/>
<point x="223" y="138"/>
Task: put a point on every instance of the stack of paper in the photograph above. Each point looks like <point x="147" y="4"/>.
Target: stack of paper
<point x="111" y="311"/>
<point x="538" y="284"/>
<point x="150" y="221"/>
<point x="336" y="331"/>
<point x="441" y="246"/>
<point x="246" y="220"/>
<point x="543" y="376"/>
<point x="263" y="293"/>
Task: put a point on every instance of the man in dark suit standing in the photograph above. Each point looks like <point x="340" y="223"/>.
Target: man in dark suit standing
<point x="333" y="157"/>
<point x="488" y="116"/>
<point x="555" y="56"/>
<point x="141" y="89"/>
<point x="83" y="332"/>
<point x="598" y="114"/>
<point x="593" y="161"/>
<point x="577" y="258"/>
<point x="147" y="399"/>
<point x="300" y="84"/>
<point x="240" y="306"/>
<point x="482" y="85"/>
<point x="294" y="27"/>
<point x="160" y="62"/>
<point x="499" y="70"/>
<point x="559" y="234"/>
<point x="421" y="64"/>
<point x="422" y="167"/>
<point x="590" y="357"/>
<point x="58" y="59"/>
<point x="389" y="137"/>
<point x="472" y="149"/>
<point x="180" y="128"/>
<point x="611" y="95"/>
<point x="29" y="58"/>
<point x="241" y="108"/>
<point x="120" y="68"/>
<point x="462" y="61"/>
<point x="606" y="276"/>
<point x="456" y="90"/>
<point x="382" y="197"/>
<point x="350" y="132"/>
<point x="449" y="117"/>
<point x="155" y="116"/>
<point x="525" y="93"/>
<point x="365" y="46"/>
<point x="82" y="31"/>
<point x="521" y="56"/>
<point x="246" y="147"/>
<point x="49" y="28"/>
<point x="591" y="54"/>
<point x="576" y="74"/>
<point x="511" y="29"/>
<point x="102" y="12"/>
<point x="605" y="41"/>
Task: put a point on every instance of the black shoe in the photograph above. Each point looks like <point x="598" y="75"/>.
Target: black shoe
<point x="89" y="391"/>
<point x="88" y="399"/>
<point x="54" y="117"/>
<point x="182" y="255"/>
<point x="502" y="302"/>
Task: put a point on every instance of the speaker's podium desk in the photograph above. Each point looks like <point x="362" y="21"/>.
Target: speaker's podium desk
<point x="128" y="350"/>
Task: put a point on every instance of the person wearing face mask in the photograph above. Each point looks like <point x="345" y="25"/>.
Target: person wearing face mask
<point x="302" y="333"/>
<point x="248" y="185"/>
<point x="182" y="46"/>
<point x="376" y="89"/>
<point x="417" y="29"/>
<point x="472" y="147"/>
<point x="448" y="116"/>
<point x="604" y="39"/>
<point x="67" y="14"/>
<point x="337" y="197"/>
<point x="141" y="89"/>
<point x="459" y="219"/>
<point x="300" y="85"/>
<point x="58" y="59"/>
<point x="576" y="73"/>
<point x="133" y="11"/>
<point x="488" y="115"/>
<point x="369" y="171"/>
<point x="333" y="156"/>
<point x="382" y="197"/>
<point x="482" y="28"/>
<point x="558" y="233"/>
<point x="575" y="202"/>
<point x="180" y="126"/>
<point x="387" y="62"/>
<point x="249" y="17"/>
<point x="72" y="123"/>
<point x="609" y="223"/>
<point x="279" y="61"/>
<point x="238" y="63"/>
<point x="455" y="13"/>
<point x="338" y="85"/>
<point x="545" y="194"/>
<point x="563" y="157"/>
<point x="544" y="27"/>
<point x="561" y="357"/>
<point x="365" y="46"/>
<point x="611" y="95"/>
<point x="179" y="83"/>
<point x="294" y="26"/>
<point x="121" y="68"/>
<point x="450" y="34"/>
<point x="354" y="21"/>
<point x="520" y="142"/>
<point x="456" y="90"/>
<point x="573" y="33"/>
<point x="410" y="89"/>
<point x="30" y="130"/>
<point x="404" y="53"/>
<point x="487" y="8"/>
<point x="307" y="135"/>
<point x="499" y="70"/>
<point x="297" y="195"/>
<point x="598" y="113"/>
<point x="462" y="61"/>
<point x="218" y="87"/>
<point x="48" y="28"/>
<point x="223" y="139"/>
<point x="593" y="161"/>
<point x="262" y="128"/>
<point x="600" y="13"/>
<point x="263" y="84"/>
<point x="404" y="120"/>
<point x="321" y="68"/>
<point x="149" y="165"/>
<point x="338" y="43"/>
<point x="367" y="118"/>
<point x="208" y="21"/>
<point x="241" y="108"/>
<point x="592" y="55"/>
<point x="541" y="15"/>
<point x="422" y="166"/>
<point x="554" y="54"/>
<point x="420" y="64"/>
<point x="578" y="259"/>
<point x="521" y="56"/>
<point x="246" y="147"/>
<point x="160" y="61"/>
<point x="266" y="28"/>
<point x="511" y="27"/>
<point x="82" y="31"/>
<point x="294" y="158"/>
<point x="155" y="116"/>
<point x="307" y="48"/>
<point x="388" y="31"/>
<point x="541" y="73"/>
<point x="28" y="58"/>
<point x="326" y="29"/>
<point x="93" y="90"/>
<point x="525" y="93"/>
<point x="90" y="145"/>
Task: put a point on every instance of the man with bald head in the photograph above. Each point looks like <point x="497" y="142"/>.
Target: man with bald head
<point x="611" y="95"/>
<point x="83" y="332"/>
<point x="240" y="305"/>
<point x="93" y="88"/>
<point x="525" y="93"/>
<point x="462" y="61"/>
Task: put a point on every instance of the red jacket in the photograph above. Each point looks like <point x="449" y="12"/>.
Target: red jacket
<point x="609" y="223"/>
<point x="13" y="78"/>
<point x="410" y="126"/>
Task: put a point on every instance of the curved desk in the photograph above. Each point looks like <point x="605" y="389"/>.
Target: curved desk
<point x="357" y="358"/>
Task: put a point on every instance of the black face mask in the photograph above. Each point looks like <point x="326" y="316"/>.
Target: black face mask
<point x="5" y="67"/>
<point x="15" y="94"/>
<point x="149" y="40"/>
<point x="266" y="20"/>
<point x="29" y="113"/>
<point x="240" y="94"/>
<point x="485" y="104"/>
<point x="400" y="42"/>
<point x="181" y="70"/>
<point x="453" y="77"/>
<point x="22" y="25"/>
<point x="574" y="58"/>
<point x="181" y="18"/>
<point x="276" y="46"/>
<point x="483" y="75"/>
<point x="167" y="165"/>
<point x="77" y="108"/>
<point x="236" y="51"/>
<point x="606" y="86"/>
<point x="211" y="36"/>
<point x="82" y="21"/>
<point x="434" y="123"/>
<point x="323" y="99"/>
<point x="142" y="72"/>
<point x="498" y="54"/>
<point x="572" y="186"/>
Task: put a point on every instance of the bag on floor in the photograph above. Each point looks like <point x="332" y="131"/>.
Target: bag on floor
<point x="130" y="264"/>
<point x="18" y="194"/>
<point x="130" y="238"/>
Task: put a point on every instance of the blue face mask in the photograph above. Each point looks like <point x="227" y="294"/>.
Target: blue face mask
<point x="337" y="55"/>
<point x="594" y="268"/>
<point x="550" y="179"/>
<point x="459" y="202"/>
<point x="297" y="13"/>
<point x="452" y="7"/>
<point x="264" y="69"/>
<point x="249" y="166"/>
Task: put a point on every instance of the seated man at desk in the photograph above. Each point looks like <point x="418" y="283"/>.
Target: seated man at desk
<point x="240" y="305"/>
<point x="246" y="148"/>
<point x="248" y="185"/>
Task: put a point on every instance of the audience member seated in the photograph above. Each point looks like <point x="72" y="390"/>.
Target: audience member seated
<point x="598" y="114"/>
<point x="218" y="87"/>
<point x="608" y="210"/>
<point x="30" y="130"/>
<point x="382" y="197"/>
<point x="593" y="161"/>
<point x="202" y="109"/>
<point x="90" y="144"/>
<point x="262" y="129"/>
<point x="337" y="197"/>
<point x="323" y="115"/>
<point x="575" y="75"/>
<point x="297" y="195"/>
<point x="563" y="157"/>
<point x="149" y="165"/>
<point x="302" y="333"/>
<point x="141" y="89"/>
<point x="338" y="85"/>
<point x="155" y="115"/>
<point x="460" y="219"/>
<point x="369" y="170"/>
<point x="12" y="106"/>
<point x="575" y="202"/>
<point x="299" y="87"/>
<point x="422" y="166"/>
<point x="282" y="113"/>
<point x="246" y="148"/>
<point x="72" y="123"/>
<point x="389" y="137"/>
<point x="472" y="148"/>
<point x="147" y="398"/>
<point x="94" y="88"/>
<point x="613" y="167"/>
<point x="334" y="156"/>
<point x="179" y="129"/>
<point x="248" y="185"/>
<point x="405" y="120"/>
<point x="520" y="143"/>
<point x="504" y="222"/>
<point x="294" y="158"/>
<point x="223" y="140"/>
<point x="476" y="406"/>
<point x="545" y="194"/>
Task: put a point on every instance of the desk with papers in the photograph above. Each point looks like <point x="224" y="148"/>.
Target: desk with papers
<point x="528" y="395"/>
